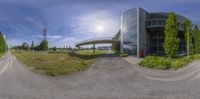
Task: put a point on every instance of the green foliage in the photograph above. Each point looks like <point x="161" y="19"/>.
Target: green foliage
<point x="167" y="63"/>
<point x="196" y="36"/>
<point x="188" y="36"/>
<point x="116" y="46"/>
<point x="171" y="42"/>
<point x="180" y="62"/>
<point x="25" y="46"/>
<point x="3" y="45"/>
<point x="56" y="64"/>
<point x="54" y="48"/>
<point x="44" y="45"/>
<point x="32" y="46"/>
<point x="121" y="54"/>
<point x="155" y="62"/>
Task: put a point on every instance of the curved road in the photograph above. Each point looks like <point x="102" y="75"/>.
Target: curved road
<point x="110" y="78"/>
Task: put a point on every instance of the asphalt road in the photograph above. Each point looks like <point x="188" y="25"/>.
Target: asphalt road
<point x="110" y="78"/>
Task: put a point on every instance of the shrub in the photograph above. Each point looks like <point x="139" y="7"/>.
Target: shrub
<point x="179" y="62"/>
<point x="121" y="54"/>
<point x="155" y="62"/>
<point x="166" y="63"/>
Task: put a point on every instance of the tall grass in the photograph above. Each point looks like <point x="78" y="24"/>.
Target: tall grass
<point x="54" y="64"/>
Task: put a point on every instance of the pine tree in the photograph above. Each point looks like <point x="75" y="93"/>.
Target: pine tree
<point x="196" y="36"/>
<point x="171" y="42"/>
<point x="3" y="45"/>
<point x="32" y="45"/>
<point x="188" y="36"/>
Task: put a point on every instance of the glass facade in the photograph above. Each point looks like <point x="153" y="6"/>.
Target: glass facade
<point x="156" y="40"/>
<point x="129" y="30"/>
<point x="160" y="23"/>
<point x="157" y="23"/>
<point x="143" y="32"/>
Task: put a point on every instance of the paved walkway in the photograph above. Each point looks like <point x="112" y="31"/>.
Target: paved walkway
<point x="110" y="78"/>
<point x="133" y="60"/>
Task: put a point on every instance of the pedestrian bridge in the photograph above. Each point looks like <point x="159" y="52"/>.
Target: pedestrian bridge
<point x="101" y="40"/>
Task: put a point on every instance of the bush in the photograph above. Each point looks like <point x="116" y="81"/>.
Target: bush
<point x="167" y="63"/>
<point x="155" y="62"/>
<point x="121" y="54"/>
<point x="179" y="62"/>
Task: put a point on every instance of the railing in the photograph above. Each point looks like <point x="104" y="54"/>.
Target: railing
<point x="160" y="23"/>
<point x="95" y="40"/>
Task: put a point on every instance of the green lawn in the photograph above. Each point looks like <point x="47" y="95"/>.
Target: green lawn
<point x="157" y="62"/>
<point x="1" y="54"/>
<point x="55" y="64"/>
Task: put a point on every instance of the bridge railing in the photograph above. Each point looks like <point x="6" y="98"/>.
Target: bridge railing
<point x="94" y="39"/>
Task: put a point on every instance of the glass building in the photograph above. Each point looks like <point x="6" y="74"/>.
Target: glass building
<point x="143" y="32"/>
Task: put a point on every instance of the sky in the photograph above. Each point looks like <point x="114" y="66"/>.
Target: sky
<point x="70" y="21"/>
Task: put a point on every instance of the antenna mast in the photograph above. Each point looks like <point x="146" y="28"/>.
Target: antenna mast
<point x="44" y="31"/>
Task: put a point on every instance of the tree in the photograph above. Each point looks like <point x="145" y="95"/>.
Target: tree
<point x="171" y="42"/>
<point x="188" y="36"/>
<point x="44" y="45"/>
<point x="37" y="48"/>
<point x="196" y="36"/>
<point x="54" y="48"/>
<point x="69" y="48"/>
<point x="3" y="45"/>
<point x="116" y="46"/>
<point x="32" y="45"/>
<point x="24" y="46"/>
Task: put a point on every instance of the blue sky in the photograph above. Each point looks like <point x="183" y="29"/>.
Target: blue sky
<point x="70" y="21"/>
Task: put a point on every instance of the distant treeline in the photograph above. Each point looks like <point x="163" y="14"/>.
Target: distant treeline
<point x="43" y="46"/>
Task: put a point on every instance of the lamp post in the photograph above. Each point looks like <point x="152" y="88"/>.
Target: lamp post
<point x="93" y="48"/>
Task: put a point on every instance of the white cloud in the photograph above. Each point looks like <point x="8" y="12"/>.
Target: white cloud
<point x="54" y="37"/>
<point x="64" y="41"/>
<point x="51" y="37"/>
<point x="58" y="40"/>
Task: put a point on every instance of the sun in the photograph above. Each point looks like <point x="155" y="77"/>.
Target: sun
<point x="99" y="28"/>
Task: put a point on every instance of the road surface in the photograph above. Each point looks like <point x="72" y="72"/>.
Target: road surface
<point x="110" y="78"/>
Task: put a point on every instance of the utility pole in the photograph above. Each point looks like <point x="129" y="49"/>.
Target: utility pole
<point x="44" y="31"/>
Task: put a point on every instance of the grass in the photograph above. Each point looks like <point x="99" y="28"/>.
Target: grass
<point x="56" y="64"/>
<point x="90" y="52"/>
<point x="157" y="62"/>
<point x="1" y="54"/>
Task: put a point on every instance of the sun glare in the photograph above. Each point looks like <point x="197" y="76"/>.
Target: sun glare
<point x="99" y="28"/>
